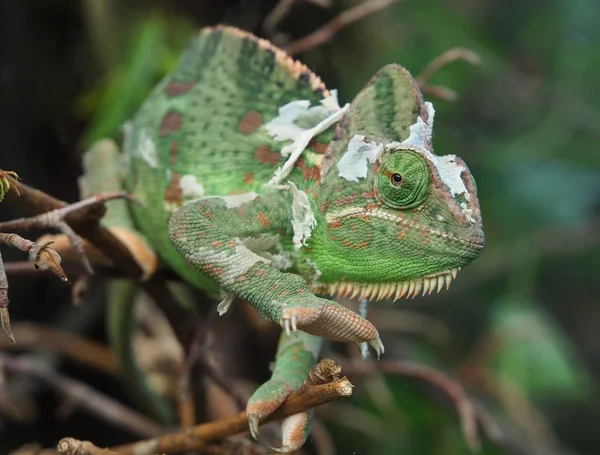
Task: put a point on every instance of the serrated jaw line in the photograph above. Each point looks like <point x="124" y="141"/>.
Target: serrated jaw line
<point x="396" y="290"/>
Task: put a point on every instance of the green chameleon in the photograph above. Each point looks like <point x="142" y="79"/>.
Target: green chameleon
<point x="255" y="182"/>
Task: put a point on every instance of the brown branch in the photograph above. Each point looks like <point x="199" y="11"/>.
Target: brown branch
<point x="85" y="351"/>
<point x="85" y="397"/>
<point x="449" y="56"/>
<point x="85" y="223"/>
<point x="43" y="258"/>
<point x="329" y="30"/>
<point x="453" y="390"/>
<point x="71" y="446"/>
<point x="309" y="396"/>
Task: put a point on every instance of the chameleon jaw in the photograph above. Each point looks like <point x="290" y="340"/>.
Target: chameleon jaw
<point x="397" y="290"/>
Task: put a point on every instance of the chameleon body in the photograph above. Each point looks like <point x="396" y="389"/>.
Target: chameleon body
<point x="255" y="182"/>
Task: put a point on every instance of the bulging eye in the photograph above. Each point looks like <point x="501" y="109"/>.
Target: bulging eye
<point x="403" y="179"/>
<point x="396" y="179"/>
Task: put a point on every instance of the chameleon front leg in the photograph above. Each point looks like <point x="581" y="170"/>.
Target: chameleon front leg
<point x="209" y="233"/>
<point x="296" y="355"/>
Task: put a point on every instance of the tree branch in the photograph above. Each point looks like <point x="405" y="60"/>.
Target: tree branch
<point x="309" y="396"/>
<point x="329" y="30"/>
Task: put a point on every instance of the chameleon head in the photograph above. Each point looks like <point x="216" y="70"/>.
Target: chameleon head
<point x="400" y="220"/>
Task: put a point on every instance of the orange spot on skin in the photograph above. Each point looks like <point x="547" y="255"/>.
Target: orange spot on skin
<point x="355" y="246"/>
<point x="171" y="123"/>
<point x="261" y="272"/>
<point x="242" y="278"/>
<point x="335" y="224"/>
<point x="249" y="178"/>
<point x="264" y="220"/>
<point x="346" y="200"/>
<point x="308" y="173"/>
<point x="317" y="146"/>
<point x="231" y="244"/>
<point x="250" y="122"/>
<point x="325" y="206"/>
<point x="401" y="234"/>
<point x="373" y="206"/>
<point x="217" y="244"/>
<point x="178" y="88"/>
<point x="264" y="154"/>
<point x="173" y="192"/>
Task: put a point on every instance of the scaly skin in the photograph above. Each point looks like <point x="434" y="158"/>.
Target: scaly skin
<point x="366" y="209"/>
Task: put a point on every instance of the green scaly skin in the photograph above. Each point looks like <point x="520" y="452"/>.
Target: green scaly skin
<point x="367" y="210"/>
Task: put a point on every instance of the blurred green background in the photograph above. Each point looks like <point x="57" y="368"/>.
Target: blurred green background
<point x="520" y="326"/>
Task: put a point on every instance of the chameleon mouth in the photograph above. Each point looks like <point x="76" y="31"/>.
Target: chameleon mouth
<point x="409" y="289"/>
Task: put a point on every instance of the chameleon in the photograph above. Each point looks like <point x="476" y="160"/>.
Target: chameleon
<point x="256" y="184"/>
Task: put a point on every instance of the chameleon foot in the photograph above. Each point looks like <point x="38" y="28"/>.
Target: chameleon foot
<point x="331" y="320"/>
<point x="296" y="355"/>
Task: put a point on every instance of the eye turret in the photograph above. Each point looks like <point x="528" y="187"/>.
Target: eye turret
<point x="403" y="180"/>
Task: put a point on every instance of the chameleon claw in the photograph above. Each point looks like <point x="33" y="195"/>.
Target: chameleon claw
<point x="286" y="326"/>
<point x="253" y="425"/>
<point x="377" y="346"/>
<point x="294" y="323"/>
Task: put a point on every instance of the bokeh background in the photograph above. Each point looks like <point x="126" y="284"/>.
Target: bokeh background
<point x="519" y="328"/>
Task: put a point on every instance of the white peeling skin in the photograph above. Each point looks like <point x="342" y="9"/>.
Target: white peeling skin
<point x="315" y="268"/>
<point x="303" y="218"/>
<point x="225" y="303"/>
<point x="300" y="123"/>
<point x="360" y="154"/>
<point x="235" y="264"/>
<point x="282" y="127"/>
<point x="261" y="244"/>
<point x="190" y="188"/>
<point x="448" y="169"/>
<point x="147" y="149"/>
<point x="235" y="200"/>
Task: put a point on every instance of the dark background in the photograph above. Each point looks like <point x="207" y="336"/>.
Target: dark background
<point x="519" y="327"/>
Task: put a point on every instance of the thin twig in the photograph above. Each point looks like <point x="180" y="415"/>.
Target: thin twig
<point x="329" y="30"/>
<point x="43" y="258"/>
<point x="309" y="396"/>
<point x="446" y="57"/>
<point x="38" y="202"/>
<point x="85" y="397"/>
<point x="282" y="9"/>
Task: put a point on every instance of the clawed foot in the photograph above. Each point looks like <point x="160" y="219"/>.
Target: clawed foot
<point x="331" y="320"/>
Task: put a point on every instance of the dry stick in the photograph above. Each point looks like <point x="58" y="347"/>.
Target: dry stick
<point x="55" y="219"/>
<point x="282" y="9"/>
<point x="4" y="315"/>
<point x="71" y="446"/>
<point x="446" y="57"/>
<point x="38" y="202"/>
<point x="449" y="56"/>
<point x="43" y="258"/>
<point x="328" y="31"/>
<point x="309" y="396"/>
<point x="75" y="347"/>
<point x="453" y="390"/>
<point x="85" y="397"/>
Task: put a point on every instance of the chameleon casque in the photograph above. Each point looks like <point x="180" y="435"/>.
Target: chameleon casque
<point x="256" y="183"/>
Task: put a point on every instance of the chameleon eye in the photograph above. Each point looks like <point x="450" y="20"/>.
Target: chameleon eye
<point x="403" y="180"/>
<point x="396" y="179"/>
